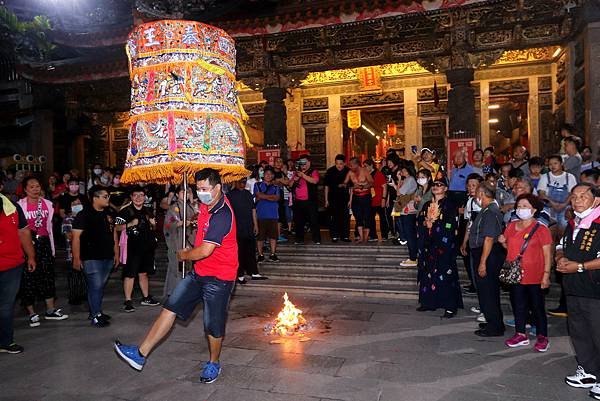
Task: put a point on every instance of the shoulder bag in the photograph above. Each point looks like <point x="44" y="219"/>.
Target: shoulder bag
<point x="511" y="271"/>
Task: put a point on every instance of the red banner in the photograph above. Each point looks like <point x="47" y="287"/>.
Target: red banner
<point x="466" y="145"/>
<point x="268" y="155"/>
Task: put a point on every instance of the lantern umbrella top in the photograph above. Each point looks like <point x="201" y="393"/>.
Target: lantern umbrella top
<point x="185" y="111"/>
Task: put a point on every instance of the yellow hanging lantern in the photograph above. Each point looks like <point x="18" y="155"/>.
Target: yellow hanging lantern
<point x="354" y="121"/>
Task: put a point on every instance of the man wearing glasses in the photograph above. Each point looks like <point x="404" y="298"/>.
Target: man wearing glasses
<point x="139" y="224"/>
<point x="215" y="254"/>
<point x="95" y="250"/>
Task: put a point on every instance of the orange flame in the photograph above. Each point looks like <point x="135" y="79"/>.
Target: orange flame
<point x="289" y="319"/>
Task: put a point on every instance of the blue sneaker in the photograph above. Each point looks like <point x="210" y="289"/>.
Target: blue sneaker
<point x="210" y="372"/>
<point x="510" y="322"/>
<point x="282" y="239"/>
<point x="130" y="354"/>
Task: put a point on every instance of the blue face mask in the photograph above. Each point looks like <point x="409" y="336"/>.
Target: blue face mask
<point x="204" y="197"/>
<point x="76" y="209"/>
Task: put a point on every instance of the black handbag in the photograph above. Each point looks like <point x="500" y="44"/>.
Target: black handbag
<point x="511" y="271"/>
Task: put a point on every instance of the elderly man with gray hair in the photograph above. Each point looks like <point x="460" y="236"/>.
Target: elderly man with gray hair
<point x="487" y="256"/>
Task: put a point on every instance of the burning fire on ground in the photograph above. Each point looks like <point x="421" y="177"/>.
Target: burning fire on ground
<point x="289" y="320"/>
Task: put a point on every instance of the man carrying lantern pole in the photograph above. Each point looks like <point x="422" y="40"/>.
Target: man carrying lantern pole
<point x="186" y="121"/>
<point x="211" y="281"/>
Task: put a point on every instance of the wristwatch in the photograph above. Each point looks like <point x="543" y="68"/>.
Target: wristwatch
<point x="580" y="268"/>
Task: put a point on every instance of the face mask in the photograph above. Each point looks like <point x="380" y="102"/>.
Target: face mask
<point x="261" y="174"/>
<point x="585" y="213"/>
<point x="524" y="214"/>
<point x="97" y="171"/>
<point x="422" y="181"/>
<point x="204" y="197"/>
<point x="104" y="180"/>
<point x="116" y="181"/>
<point x="74" y="188"/>
<point x="76" y="209"/>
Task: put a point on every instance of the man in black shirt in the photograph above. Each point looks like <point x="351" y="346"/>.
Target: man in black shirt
<point x="139" y="224"/>
<point x="577" y="259"/>
<point x="244" y="210"/>
<point x="337" y="198"/>
<point x="95" y="250"/>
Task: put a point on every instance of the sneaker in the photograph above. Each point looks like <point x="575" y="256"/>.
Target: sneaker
<point x="128" y="306"/>
<point x="518" y="340"/>
<point x="56" y="314"/>
<point x="346" y="240"/>
<point x="335" y="239"/>
<point x="242" y="280"/>
<point x="475" y="309"/>
<point x="273" y="258"/>
<point x="261" y="258"/>
<point x="282" y="239"/>
<point x="541" y="345"/>
<point x="12" y="349"/>
<point x="532" y="330"/>
<point x="557" y="312"/>
<point x="595" y="391"/>
<point x="259" y="277"/>
<point x="409" y="263"/>
<point x="317" y="243"/>
<point x="210" y="372"/>
<point x="98" y="321"/>
<point x="101" y="315"/>
<point x="510" y="322"/>
<point x="34" y="320"/>
<point x="149" y="301"/>
<point x="402" y="242"/>
<point x="581" y="379"/>
<point x="130" y="354"/>
<point x="481" y="318"/>
<point x="373" y="240"/>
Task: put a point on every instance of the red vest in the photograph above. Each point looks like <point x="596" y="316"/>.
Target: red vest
<point x="11" y="253"/>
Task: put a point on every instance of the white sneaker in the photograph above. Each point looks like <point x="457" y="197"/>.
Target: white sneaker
<point x="581" y="379"/>
<point x="481" y="318"/>
<point x="475" y="309"/>
<point x="409" y="263"/>
<point x="34" y="320"/>
<point x="595" y="391"/>
<point x="403" y="242"/>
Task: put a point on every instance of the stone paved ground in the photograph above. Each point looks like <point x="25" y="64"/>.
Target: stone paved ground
<point x="359" y="349"/>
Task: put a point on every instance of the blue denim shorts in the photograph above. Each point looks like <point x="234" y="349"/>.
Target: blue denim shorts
<point x="214" y="293"/>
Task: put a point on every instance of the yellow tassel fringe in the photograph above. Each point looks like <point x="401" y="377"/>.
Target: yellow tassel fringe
<point x="173" y="173"/>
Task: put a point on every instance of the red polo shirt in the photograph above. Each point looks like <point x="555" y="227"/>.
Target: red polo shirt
<point x="11" y="252"/>
<point x="217" y="226"/>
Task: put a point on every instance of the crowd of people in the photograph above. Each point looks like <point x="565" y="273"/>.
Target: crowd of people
<point x="537" y="219"/>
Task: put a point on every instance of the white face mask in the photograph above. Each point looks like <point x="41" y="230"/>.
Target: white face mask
<point x="524" y="214"/>
<point x="422" y="181"/>
<point x="585" y="213"/>
<point x="204" y="197"/>
<point x="97" y="171"/>
<point x="76" y="209"/>
<point x="104" y="180"/>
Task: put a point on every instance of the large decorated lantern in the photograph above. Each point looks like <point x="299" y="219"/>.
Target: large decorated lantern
<point x="185" y="113"/>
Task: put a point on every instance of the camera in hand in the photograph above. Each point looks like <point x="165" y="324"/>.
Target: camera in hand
<point x="301" y="163"/>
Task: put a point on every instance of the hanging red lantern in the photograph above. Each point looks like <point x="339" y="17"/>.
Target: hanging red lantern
<point x="391" y="129"/>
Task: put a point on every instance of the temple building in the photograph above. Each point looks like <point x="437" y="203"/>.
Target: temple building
<point x="327" y="77"/>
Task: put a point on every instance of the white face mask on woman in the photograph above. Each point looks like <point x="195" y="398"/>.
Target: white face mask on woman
<point x="422" y="181"/>
<point x="524" y="214"/>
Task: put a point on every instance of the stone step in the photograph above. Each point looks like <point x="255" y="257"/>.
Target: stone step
<point x="345" y="248"/>
<point x="327" y="265"/>
<point x="346" y="277"/>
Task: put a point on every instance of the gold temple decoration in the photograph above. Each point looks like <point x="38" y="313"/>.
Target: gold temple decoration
<point x="354" y="121"/>
<point x="351" y="74"/>
<point x="369" y="79"/>
<point x="535" y="54"/>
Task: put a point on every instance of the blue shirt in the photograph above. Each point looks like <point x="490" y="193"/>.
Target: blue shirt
<point x="458" y="177"/>
<point x="266" y="209"/>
